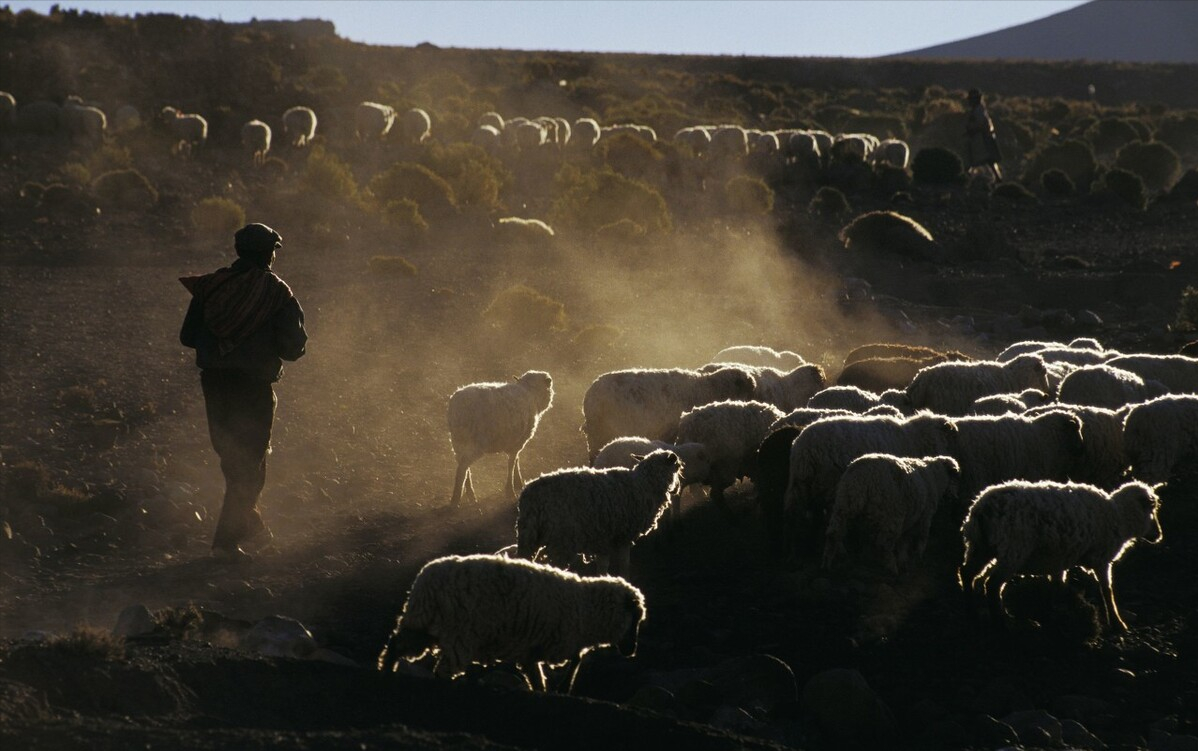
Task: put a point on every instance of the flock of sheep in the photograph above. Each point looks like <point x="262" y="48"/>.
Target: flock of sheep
<point x="1045" y="458"/>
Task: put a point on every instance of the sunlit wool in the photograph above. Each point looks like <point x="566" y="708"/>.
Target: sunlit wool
<point x="625" y="452"/>
<point x="372" y="120"/>
<point x="731" y="431"/>
<point x="1106" y="386"/>
<point x="1178" y="373"/>
<point x="759" y="356"/>
<point x="255" y="138"/>
<point x="1160" y="435"/>
<point x="850" y="398"/>
<point x="188" y="129"/>
<point x="1103" y="461"/>
<point x="416" y="126"/>
<point x="785" y="390"/>
<point x="993" y="449"/>
<point x="950" y="388"/>
<point x="299" y="125"/>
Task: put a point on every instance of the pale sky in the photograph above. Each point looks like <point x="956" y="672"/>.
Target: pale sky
<point x="783" y="28"/>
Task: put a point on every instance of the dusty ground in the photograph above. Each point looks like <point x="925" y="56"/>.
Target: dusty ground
<point x="96" y="390"/>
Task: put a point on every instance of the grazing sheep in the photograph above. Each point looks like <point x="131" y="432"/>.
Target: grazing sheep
<point x="878" y="374"/>
<point x="586" y="133"/>
<point x="848" y="398"/>
<point x="1030" y="346"/>
<point x="493" y="418"/>
<point x="950" y="388"/>
<point x="39" y="118"/>
<point x="1178" y="373"/>
<point x="802" y="147"/>
<point x="8" y="111"/>
<point x="488" y="138"/>
<point x="487" y="609"/>
<point x="889" y="502"/>
<point x="731" y="431"/>
<point x="512" y="231"/>
<point x="625" y="452"/>
<point x="528" y="134"/>
<point x="595" y="512"/>
<point x="492" y="120"/>
<point x="913" y="351"/>
<point x="998" y="404"/>
<point x="770" y="474"/>
<point x="299" y="125"/>
<point x="564" y="132"/>
<point x="255" y="138"/>
<point x="853" y="147"/>
<point x="373" y="121"/>
<point x="890" y="232"/>
<point x="649" y="402"/>
<point x="785" y="391"/>
<point x="188" y="130"/>
<point x="1047" y="528"/>
<point x="894" y="152"/>
<point x="125" y="119"/>
<point x="83" y="123"/>
<point x="1103" y="461"/>
<point x="729" y="142"/>
<point x="756" y="356"/>
<point x="1106" y="386"/>
<point x="695" y="139"/>
<point x="826" y="447"/>
<point x="804" y="416"/>
<point x="993" y="449"/>
<point x="416" y="126"/>
<point x="1161" y="436"/>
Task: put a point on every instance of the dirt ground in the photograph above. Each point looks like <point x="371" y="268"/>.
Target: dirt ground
<point x="96" y="391"/>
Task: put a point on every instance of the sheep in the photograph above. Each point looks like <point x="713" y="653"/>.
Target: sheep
<point x="586" y="133"/>
<point x="373" y="121"/>
<point x="492" y="120"/>
<point x="729" y="142"/>
<point x="758" y="356"/>
<point x="770" y="473"/>
<point x="487" y="609"/>
<point x="993" y="449"/>
<point x="890" y="502"/>
<point x="623" y="452"/>
<point x="894" y="152"/>
<point x="487" y="137"/>
<point x="762" y="143"/>
<point x="913" y="351"/>
<point x="786" y="391"/>
<point x="821" y="452"/>
<point x="731" y="431"/>
<point x="564" y="132"/>
<point x="853" y="147"/>
<point x="898" y="399"/>
<point x="848" y="398"/>
<point x="1178" y="373"/>
<point x="1103" y="461"/>
<point x="8" y="111"/>
<point x="880" y="374"/>
<point x="1161" y="435"/>
<point x="998" y="404"/>
<point x="550" y="125"/>
<point x="950" y="388"/>
<point x="415" y="126"/>
<point x="1030" y="346"/>
<point x="649" y="402"/>
<point x="39" y="118"/>
<point x="528" y="134"/>
<point x="802" y="147"/>
<point x="890" y="232"/>
<point x="82" y="122"/>
<point x="694" y="139"/>
<point x="255" y="138"/>
<point x="1106" y="386"/>
<point x="514" y="230"/>
<point x="596" y="513"/>
<point x="299" y="125"/>
<point x="125" y="119"/>
<point x="1046" y="528"/>
<point x="188" y="130"/>
<point x="489" y="418"/>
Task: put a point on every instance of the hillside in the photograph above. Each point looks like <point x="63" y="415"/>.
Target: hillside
<point x="1144" y="31"/>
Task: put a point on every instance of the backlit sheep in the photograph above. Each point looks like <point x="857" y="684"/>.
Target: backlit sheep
<point x="950" y="388"/>
<point x="994" y="449"/>
<point x="188" y="130"/>
<point x="490" y="418"/>
<point x="487" y="609"/>
<point x="255" y="138"/>
<point x="894" y="152"/>
<point x="299" y="125"/>
<point x="731" y="431"/>
<point x="82" y="122"/>
<point x="626" y="452"/>
<point x="1106" y="386"/>
<point x="848" y="398"/>
<point x="586" y="133"/>
<point x="492" y="120"/>
<point x="416" y="126"/>
<point x="887" y="350"/>
<point x="488" y="138"/>
<point x="373" y="121"/>
<point x="786" y="391"/>
<point x="878" y="374"/>
<point x="1046" y="528"/>
<point x="39" y="118"/>
<point x="1103" y="460"/>
<point x="1178" y="373"/>
<point x="758" y="356"/>
<point x="1161" y="436"/>
<point x="8" y="110"/>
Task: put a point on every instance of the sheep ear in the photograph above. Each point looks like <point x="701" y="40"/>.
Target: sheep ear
<point x="638" y="457"/>
<point x="1159" y="486"/>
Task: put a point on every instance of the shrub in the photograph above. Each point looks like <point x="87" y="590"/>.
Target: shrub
<point x="523" y="311"/>
<point x="889" y="179"/>
<point x="77" y="399"/>
<point x="829" y="203"/>
<point x="1074" y="158"/>
<point x="629" y="155"/>
<point x="1156" y="164"/>
<point x="418" y="183"/>
<point x="217" y="216"/>
<point x="125" y="189"/>
<point x="889" y="232"/>
<point x="1180" y="132"/>
<point x="1056" y="182"/>
<point x="593" y="199"/>
<point x="76" y="174"/>
<point x="392" y="266"/>
<point x="937" y="166"/>
<point x="748" y="196"/>
<point x="1109" y="135"/>
<point x="404" y="215"/>
<point x="108" y="158"/>
<point x="1187" y="311"/>
<point x="476" y="177"/>
<point x="328" y="177"/>
<point x="88" y="642"/>
<point x="1186" y="188"/>
<point x="1014" y="192"/>
<point x="1127" y="186"/>
<point x="624" y="231"/>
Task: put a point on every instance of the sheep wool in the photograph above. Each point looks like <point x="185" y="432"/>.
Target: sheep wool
<point x="299" y="125"/>
<point x="1178" y="373"/>
<point x="785" y="390"/>
<point x="731" y="431"/>
<point x="255" y="138"/>
<point x="878" y="374"/>
<point x="889" y="501"/>
<point x="372" y="121"/>
<point x="489" y="418"/>
<point x="649" y="403"/>
<point x="850" y="398"/>
<point x="1106" y="386"/>
<point x="487" y="609"/>
<point x="1103" y="461"/>
<point x="951" y="388"/>
<point x="189" y="130"/>
<point x="1161" y="435"/>
<point x="994" y="449"/>
<point x="758" y="356"/>
<point x="595" y="512"/>
<point x="1046" y="528"/>
<point x="628" y="450"/>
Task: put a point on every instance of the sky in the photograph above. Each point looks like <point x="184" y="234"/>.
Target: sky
<point x="782" y="28"/>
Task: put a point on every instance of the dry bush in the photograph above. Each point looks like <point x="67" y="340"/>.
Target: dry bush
<point x="1013" y="192"/>
<point x="829" y="203"/>
<point x="392" y="266"/>
<point x="328" y="177"/>
<point x="476" y="178"/>
<point x="217" y="217"/>
<point x="1186" y="188"/>
<point x="88" y="642"/>
<point x="1127" y="186"/>
<point x="74" y="173"/>
<point x="126" y="190"/>
<point x="1109" y="135"/>
<point x="589" y="200"/>
<point x="415" y="182"/>
<point x="77" y="399"/>
<point x="1055" y="182"/>
<point x="937" y="166"/>
<point x="404" y="217"/>
<point x="523" y="311"/>
<point x="630" y="155"/>
<point x="1156" y="163"/>
<point x="108" y="158"/>
<point x="1180" y="131"/>
<point x="890" y="232"/>
<point x="1074" y="158"/>
<point x="748" y="196"/>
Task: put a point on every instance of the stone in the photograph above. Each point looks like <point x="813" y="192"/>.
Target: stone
<point x="842" y="706"/>
<point x="134" y="620"/>
<point x="1075" y="734"/>
<point x="279" y="636"/>
<point x="757" y="681"/>
<point x="657" y="699"/>
<point x="1035" y="727"/>
<point x="991" y="733"/>
<point x="1084" y="709"/>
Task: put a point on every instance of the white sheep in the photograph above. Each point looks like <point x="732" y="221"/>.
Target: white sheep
<point x="993" y="449"/>
<point x="848" y="398"/>
<point x="804" y="416"/>
<point x="1106" y="386"/>
<point x="648" y="402"/>
<point x="299" y="125"/>
<point x="731" y="431"/>
<point x="564" y="132"/>
<point x="759" y="356"/>
<point x="950" y="388"/>
<point x="1161" y="435"/>
<point x="695" y="139"/>
<point x="729" y="142"/>
<point x="373" y="121"/>
<point x="188" y="130"/>
<point x="491" y="418"/>
<point x="998" y="404"/>
<point x="853" y="147"/>
<point x="1047" y="528"/>
<point x="488" y="138"/>
<point x="626" y="450"/>
<point x="889" y="502"/>
<point x="487" y="609"/>
<point x="823" y="450"/>
<point x="786" y="391"/>
<point x="528" y="134"/>
<point x="586" y="133"/>
<point x="82" y="122"/>
<point x="1178" y="373"/>
<point x="1032" y="346"/>
<point x="802" y="147"/>
<point x="416" y="126"/>
<point x="514" y="229"/>
<point x="492" y="120"/>
<point x="1103" y="461"/>
<point x="892" y="151"/>
<point x="597" y="513"/>
<point x="255" y="138"/>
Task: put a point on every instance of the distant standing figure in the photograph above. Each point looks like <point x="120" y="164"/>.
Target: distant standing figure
<point x="243" y="321"/>
<point x="981" y="146"/>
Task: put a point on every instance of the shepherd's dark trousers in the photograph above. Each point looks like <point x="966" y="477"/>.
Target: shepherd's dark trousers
<point x="241" y="412"/>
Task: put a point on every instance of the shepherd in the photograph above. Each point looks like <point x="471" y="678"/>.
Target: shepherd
<point x="981" y="145"/>
<point x="243" y="321"/>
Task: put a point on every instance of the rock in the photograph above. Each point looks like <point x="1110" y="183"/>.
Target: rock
<point x="755" y="682"/>
<point x="328" y="655"/>
<point x="1182" y="743"/>
<point x="1075" y="734"/>
<point x="735" y="719"/>
<point x="20" y="703"/>
<point x="843" y="707"/>
<point x="999" y="698"/>
<point x="1085" y="709"/>
<point x="657" y="699"/>
<point x="279" y="636"/>
<point x="1006" y="327"/>
<point x="134" y="620"/>
<point x="990" y="733"/>
<point x="1088" y="319"/>
<point x="946" y="734"/>
<point x="1035" y="727"/>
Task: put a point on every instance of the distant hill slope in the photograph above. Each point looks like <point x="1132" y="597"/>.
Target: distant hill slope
<point x="1139" y="31"/>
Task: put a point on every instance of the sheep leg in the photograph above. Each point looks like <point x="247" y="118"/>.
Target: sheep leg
<point x="995" y="584"/>
<point x="537" y="675"/>
<point x="1108" y="600"/>
<point x="513" y="475"/>
<point x="461" y="477"/>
